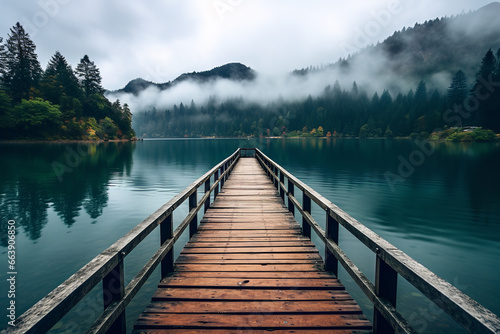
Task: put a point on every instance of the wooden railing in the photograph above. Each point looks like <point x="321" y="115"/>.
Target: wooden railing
<point x="390" y="263"/>
<point x="108" y="266"/>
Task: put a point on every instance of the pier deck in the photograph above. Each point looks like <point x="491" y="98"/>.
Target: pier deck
<point x="250" y="268"/>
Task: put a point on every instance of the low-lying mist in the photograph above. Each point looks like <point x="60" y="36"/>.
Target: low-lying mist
<point x="370" y="75"/>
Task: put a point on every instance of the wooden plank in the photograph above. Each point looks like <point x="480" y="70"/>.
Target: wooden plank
<point x="269" y="307"/>
<point x="251" y="321"/>
<point x="250" y="250"/>
<point x="255" y="274"/>
<point x="270" y="261"/>
<point x="248" y="294"/>
<point x="201" y="239"/>
<point x="249" y="267"/>
<point x="247" y="226"/>
<point x="249" y="244"/>
<point x="226" y="331"/>
<point x="251" y="283"/>
<point x="264" y="256"/>
<point x="252" y="233"/>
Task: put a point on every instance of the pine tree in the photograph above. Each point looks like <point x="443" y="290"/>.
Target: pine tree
<point x="488" y="114"/>
<point x="421" y="101"/>
<point x="488" y="67"/>
<point x="497" y="71"/>
<point x="3" y="60"/>
<point x="59" y="80"/>
<point x="458" y="91"/>
<point x="90" y="77"/>
<point x="23" y="70"/>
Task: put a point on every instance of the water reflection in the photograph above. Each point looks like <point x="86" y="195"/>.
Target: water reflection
<point x="457" y="184"/>
<point x="36" y="177"/>
<point x="445" y="215"/>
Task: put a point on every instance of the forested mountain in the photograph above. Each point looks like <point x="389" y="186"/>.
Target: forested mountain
<point x="441" y="74"/>
<point x="232" y="71"/>
<point x="436" y="46"/>
<point x="58" y="103"/>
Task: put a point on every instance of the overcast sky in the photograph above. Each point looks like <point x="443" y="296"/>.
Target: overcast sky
<point x="160" y="39"/>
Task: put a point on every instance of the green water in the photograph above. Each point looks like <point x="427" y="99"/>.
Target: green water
<point x="71" y="201"/>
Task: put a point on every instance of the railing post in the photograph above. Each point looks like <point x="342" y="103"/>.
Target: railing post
<point x="166" y="232"/>
<point x="113" y="289"/>
<point x="282" y="191"/>
<point x="193" y="203"/>
<point x="291" y="191"/>
<point x="306" y="206"/>
<point x="332" y="233"/>
<point x="207" y="189"/>
<point x="222" y="169"/>
<point x="275" y="177"/>
<point x="386" y="286"/>
<point x="216" y="177"/>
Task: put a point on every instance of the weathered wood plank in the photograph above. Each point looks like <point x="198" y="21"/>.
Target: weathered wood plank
<point x="250" y="321"/>
<point x="255" y="274"/>
<point x="249" y="250"/>
<point x="269" y="307"/>
<point x="254" y="331"/>
<point x="250" y="244"/>
<point x="270" y="261"/>
<point x="252" y="283"/>
<point x="248" y="294"/>
<point x="201" y="239"/>
<point x="264" y="256"/>
<point x="249" y="267"/>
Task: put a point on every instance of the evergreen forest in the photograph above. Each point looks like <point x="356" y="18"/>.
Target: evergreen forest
<point x="57" y="103"/>
<point x="347" y="112"/>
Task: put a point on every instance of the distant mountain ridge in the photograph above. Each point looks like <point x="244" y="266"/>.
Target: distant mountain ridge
<point x="231" y="71"/>
<point x="416" y="53"/>
<point x="426" y="49"/>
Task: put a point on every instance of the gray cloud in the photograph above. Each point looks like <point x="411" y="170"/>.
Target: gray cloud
<point x="159" y="40"/>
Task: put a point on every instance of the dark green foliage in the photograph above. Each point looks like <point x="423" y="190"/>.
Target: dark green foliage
<point x="467" y="135"/>
<point x="3" y="60"/>
<point x="342" y="113"/>
<point x="486" y="90"/>
<point x="37" y="118"/>
<point x="89" y="76"/>
<point x="22" y="67"/>
<point x="458" y="90"/>
<point x="59" y="80"/>
<point x="233" y="71"/>
<point x="52" y="104"/>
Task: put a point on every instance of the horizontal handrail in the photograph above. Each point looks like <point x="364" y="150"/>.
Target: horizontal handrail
<point x="465" y="311"/>
<point x="49" y="310"/>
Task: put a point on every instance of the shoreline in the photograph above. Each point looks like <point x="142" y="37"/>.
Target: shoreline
<point x="65" y="141"/>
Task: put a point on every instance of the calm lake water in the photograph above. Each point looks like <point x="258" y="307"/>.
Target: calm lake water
<point x="72" y="201"/>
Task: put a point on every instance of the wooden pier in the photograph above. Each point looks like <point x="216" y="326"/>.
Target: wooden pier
<point x="250" y="268"/>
